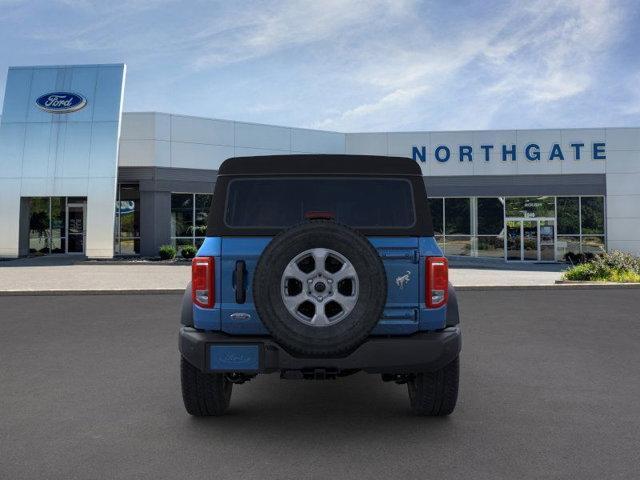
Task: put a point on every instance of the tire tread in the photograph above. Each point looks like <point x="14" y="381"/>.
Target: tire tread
<point x="204" y="394"/>
<point x="435" y="394"/>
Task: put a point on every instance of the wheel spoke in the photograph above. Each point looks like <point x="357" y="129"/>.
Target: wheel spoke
<point x="347" y="271"/>
<point x="345" y="301"/>
<point x="319" y="258"/>
<point x="293" y="271"/>
<point x="320" y="318"/>
<point x="293" y="302"/>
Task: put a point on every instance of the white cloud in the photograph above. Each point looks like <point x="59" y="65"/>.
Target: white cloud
<point x="348" y="64"/>
<point x="538" y="54"/>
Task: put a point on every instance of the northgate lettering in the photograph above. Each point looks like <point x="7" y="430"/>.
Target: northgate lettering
<point x="531" y="152"/>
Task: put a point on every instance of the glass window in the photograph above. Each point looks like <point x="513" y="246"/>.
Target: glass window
<point x="491" y="246"/>
<point x="568" y="216"/>
<point x="457" y="245"/>
<point x="39" y="225"/>
<point x="592" y="215"/>
<point x="358" y="202"/>
<point x="490" y="216"/>
<point x="567" y="244"/>
<point x="457" y="215"/>
<point x="129" y="208"/>
<point x="435" y="205"/>
<point x="593" y="244"/>
<point x="530" y="207"/>
<point x="182" y="215"/>
<point x="203" y="202"/>
<point x="189" y="213"/>
<point x="48" y="224"/>
<point x="127" y="226"/>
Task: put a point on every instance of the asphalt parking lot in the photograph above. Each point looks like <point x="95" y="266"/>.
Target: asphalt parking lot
<point x="550" y="384"/>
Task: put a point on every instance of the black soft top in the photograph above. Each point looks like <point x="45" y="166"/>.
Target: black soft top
<point x="320" y="165"/>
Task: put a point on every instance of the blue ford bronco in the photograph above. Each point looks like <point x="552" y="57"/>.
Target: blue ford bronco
<point x="319" y="266"/>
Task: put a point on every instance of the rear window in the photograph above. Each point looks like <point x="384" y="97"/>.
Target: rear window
<point x="281" y="202"/>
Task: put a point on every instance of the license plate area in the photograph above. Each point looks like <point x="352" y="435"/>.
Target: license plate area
<point x="230" y="357"/>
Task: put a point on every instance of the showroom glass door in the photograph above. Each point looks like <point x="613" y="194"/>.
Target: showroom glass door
<point x="530" y="240"/>
<point x="513" y="245"/>
<point x="75" y="227"/>
<point x="547" y="238"/>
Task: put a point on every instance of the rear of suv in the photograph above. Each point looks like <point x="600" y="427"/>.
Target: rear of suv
<point x="315" y="267"/>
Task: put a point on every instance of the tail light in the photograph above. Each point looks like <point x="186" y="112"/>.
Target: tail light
<point x="437" y="284"/>
<point x="203" y="281"/>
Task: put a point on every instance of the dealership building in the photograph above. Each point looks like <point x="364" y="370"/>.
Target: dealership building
<point x="80" y="176"/>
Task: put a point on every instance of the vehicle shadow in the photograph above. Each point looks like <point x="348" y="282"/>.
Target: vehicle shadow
<point x="306" y="410"/>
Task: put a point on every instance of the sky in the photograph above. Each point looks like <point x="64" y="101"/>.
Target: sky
<point x="350" y="65"/>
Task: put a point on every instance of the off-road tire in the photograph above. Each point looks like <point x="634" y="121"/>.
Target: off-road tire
<point x="434" y="394"/>
<point x="352" y="330"/>
<point x="204" y="394"/>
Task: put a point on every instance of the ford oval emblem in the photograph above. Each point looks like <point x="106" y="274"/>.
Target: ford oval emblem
<point x="61" y="102"/>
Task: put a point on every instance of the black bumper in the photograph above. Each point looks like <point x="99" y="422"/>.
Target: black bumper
<point x="420" y="352"/>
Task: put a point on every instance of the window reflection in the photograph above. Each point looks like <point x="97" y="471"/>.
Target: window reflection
<point x="189" y="212"/>
<point x="480" y="231"/>
<point x="127" y="226"/>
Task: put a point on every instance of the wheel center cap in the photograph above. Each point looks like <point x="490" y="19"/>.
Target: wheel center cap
<point x="320" y="287"/>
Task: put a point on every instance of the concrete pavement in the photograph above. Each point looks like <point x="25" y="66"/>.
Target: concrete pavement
<point x="67" y="274"/>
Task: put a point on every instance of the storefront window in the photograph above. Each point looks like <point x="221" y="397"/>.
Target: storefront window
<point x="593" y="244"/>
<point x="568" y="216"/>
<point x="457" y="245"/>
<point x="435" y="204"/>
<point x="530" y="207"/>
<point x="476" y="226"/>
<point x="490" y="246"/>
<point x="181" y="215"/>
<point x="490" y="216"/>
<point x="457" y="216"/>
<point x="48" y="224"/>
<point x="58" y="224"/>
<point x="189" y="213"/>
<point x="592" y="214"/>
<point x="39" y="225"/>
<point x="203" y="202"/>
<point x="567" y="244"/>
<point x="127" y="229"/>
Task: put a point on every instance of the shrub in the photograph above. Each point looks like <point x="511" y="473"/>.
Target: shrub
<point x="583" y="271"/>
<point x="167" y="252"/>
<point x="578" y="258"/>
<point x="615" y="266"/>
<point x="621" y="261"/>
<point x="188" y="251"/>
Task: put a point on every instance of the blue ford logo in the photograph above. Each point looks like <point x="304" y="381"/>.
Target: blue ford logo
<point x="61" y="102"/>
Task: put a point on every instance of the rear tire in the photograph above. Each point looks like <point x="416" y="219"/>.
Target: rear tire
<point x="204" y="394"/>
<point x="434" y="394"/>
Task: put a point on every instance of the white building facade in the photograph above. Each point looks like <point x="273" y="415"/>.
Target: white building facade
<point x="99" y="182"/>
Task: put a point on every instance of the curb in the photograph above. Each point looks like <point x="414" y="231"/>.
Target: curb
<point x="459" y="288"/>
<point x="156" y="291"/>
<point x="551" y="286"/>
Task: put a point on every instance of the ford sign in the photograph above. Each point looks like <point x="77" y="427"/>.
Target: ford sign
<point x="61" y="102"/>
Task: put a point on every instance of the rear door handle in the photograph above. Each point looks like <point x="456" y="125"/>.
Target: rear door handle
<point x="239" y="282"/>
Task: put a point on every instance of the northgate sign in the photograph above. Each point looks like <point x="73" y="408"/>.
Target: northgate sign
<point x="531" y="152"/>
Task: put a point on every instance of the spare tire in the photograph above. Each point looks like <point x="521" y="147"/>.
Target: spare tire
<point x="320" y="288"/>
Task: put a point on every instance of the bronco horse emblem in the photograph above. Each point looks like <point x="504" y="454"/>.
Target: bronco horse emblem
<point x="402" y="280"/>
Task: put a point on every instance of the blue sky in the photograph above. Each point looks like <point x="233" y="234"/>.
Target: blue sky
<point x="347" y="65"/>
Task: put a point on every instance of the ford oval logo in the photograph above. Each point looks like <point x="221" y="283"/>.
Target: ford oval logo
<point x="61" y="102"/>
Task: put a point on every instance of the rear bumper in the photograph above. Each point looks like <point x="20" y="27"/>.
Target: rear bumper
<point x="420" y="352"/>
